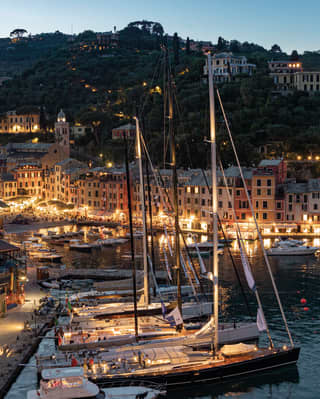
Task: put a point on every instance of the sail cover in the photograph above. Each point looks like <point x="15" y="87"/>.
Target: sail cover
<point x="174" y="317"/>
<point x="246" y="266"/>
<point x="261" y="322"/>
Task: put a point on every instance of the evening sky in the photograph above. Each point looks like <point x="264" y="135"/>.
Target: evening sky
<point x="292" y="24"/>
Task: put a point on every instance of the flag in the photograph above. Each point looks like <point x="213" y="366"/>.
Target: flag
<point x="174" y="317"/>
<point x="246" y="267"/>
<point x="261" y="321"/>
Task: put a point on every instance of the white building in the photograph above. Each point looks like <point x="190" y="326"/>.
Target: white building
<point x="226" y="65"/>
<point x="80" y="130"/>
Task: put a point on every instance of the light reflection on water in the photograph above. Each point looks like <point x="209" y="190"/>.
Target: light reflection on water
<point x="296" y="277"/>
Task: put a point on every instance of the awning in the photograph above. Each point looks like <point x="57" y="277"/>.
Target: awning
<point x="6" y="247"/>
<point x="285" y="226"/>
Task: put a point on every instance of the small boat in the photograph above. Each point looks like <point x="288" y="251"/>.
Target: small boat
<point x="226" y="241"/>
<point x="38" y="234"/>
<point x="33" y="239"/>
<point x="48" y="257"/>
<point x="107" y="232"/>
<point x="205" y="245"/>
<point x="34" y="253"/>
<point x="291" y="248"/>
<point x="136" y="234"/>
<point x="93" y="233"/>
<point x="32" y="244"/>
<point x="76" y="245"/>
<point x="111" y="241"/>
<point x="204" y="254"/>
<point x="60" y="242"/>
<point x="52" y="284"/>
<point x="71" y="383"/>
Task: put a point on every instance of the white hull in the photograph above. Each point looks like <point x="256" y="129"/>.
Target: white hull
<point x="131" y="392"/>
<point x="299" y="251"/>
<point x="128" y="392"/>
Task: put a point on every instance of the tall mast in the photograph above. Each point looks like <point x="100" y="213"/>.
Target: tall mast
<point x="134" y="282"/>
<point x="175" y="190"/>
<point x="215" y="268"/>
<point x="143" y="210"/>
<point x="150" y="227"/>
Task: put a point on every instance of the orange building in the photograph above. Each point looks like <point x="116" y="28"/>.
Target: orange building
<point x="29" y="177"/>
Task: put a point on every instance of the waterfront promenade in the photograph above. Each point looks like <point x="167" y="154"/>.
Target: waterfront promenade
<point x="13" y="323"/>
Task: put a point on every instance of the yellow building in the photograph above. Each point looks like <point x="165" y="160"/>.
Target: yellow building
<point x="307" y="81"/>
<point x="8" y="186"/>
<point x="20" y="123"/>
<point x="263" y="196"/>
<point x="289" y="75"/>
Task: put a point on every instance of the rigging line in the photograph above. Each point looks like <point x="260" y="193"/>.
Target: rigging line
<point x="184" y="240"/>
<point x="188" y="275"/>
<point x="256" y="224"/>
<point x="229" y="253"/>
<point x="150" y="220"/>
<point x="161" y="186"/>
<point x="166" y="74"/>
<point x="239" y="235"/>
<point x="152" y="82"/>
<point x="165" y="136"/>
<point x="156" y="177"/>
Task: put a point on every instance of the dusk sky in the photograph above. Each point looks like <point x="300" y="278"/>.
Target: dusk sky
<point x="292" y="24"/>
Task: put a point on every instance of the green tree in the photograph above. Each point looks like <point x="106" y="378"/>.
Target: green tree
<point x="188" y="46"/>
<point x="87" y="35"/>
<point x="235" y="46"/>
<point x="276" y="49"/>
<point x="18" y="33"/>
<point x="222" y="44"/>
<point x="176" y="47"/>
<point x="294" y="56"/>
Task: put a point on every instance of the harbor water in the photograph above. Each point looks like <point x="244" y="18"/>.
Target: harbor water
<point x="297" y="277"/>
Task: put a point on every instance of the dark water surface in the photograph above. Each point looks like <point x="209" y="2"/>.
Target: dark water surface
<point x="296" y="277"/>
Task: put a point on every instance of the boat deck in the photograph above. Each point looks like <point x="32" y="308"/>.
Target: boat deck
<point x="156" y="359"/>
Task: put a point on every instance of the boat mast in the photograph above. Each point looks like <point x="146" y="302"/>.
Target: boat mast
<point x="150" y="227"/>
<point x="134" y="282"/>
<point x="142" y="200"/>
<point x="175" y="190"/>
<point x="215" y="269"/>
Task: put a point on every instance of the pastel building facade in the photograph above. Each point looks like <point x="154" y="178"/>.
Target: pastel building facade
<point x="289" y="76"/>
<point x="226" y="66"/>
<point x="20" y="123"/>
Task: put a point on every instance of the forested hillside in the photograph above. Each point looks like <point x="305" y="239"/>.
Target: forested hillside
<point x="104" y="86"/>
